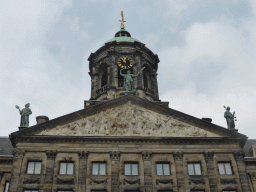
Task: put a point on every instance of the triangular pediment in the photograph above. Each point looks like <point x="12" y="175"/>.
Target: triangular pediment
<point x="128" y="120"/>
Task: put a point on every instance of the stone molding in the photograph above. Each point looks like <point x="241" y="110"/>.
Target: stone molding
<point x="83" y="154"/>
<point x="228" y="181"/>
<point x="131" y="182"/>
<point x="197" y="181"/>
<point x="18" y="152"/>
<point x="65" y="181"/>
<point x="115" y="155"/>
<point x="6" y="161"/>
<point x="208" y="156"/>
<point x="146" y="155"/>
<point x="93" y="181"/>
<point x="166" y="181"/>
<point x="252" y="175"/>
<point x="239" y="155"/>
<point x="32" y="181"/>
<point x="178" y="156"/>
<point x="51" y="154"/>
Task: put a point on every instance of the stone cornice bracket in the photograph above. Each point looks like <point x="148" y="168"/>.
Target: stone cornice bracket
<point x="239" y="155"/>
<point x="115" y="155"/>
<point x="51" y="154"/>
<point x="208" y="156"/>
<point x="146" y="155"/>
<point x="178" y="156"/>
<point x="252" y="175"/>
<point x="18" y="152"/>
<point x="83" y="154"/>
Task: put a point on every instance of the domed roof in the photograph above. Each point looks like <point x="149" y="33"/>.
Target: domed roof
<point x="122" y="36"/>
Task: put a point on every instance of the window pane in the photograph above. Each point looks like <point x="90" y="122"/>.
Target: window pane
<point x="95" y="168"/>
<point x="6" y="187"/>
<point x="134" y="169"/>
<point x="70" y="168"/>
<point x="127" y="169"/>
<point x="191" y="169"/>
<point x="34" y="191"/>
<point x="228" y="169"/>
<point x="197" y="168"/>
<point x="166" y="169"/>
<point x="63" y="168"/>
<point x="38" y="167"/>
<point x="159" y="169"/>
<point x="102" y="169"/>
<point x="31" y="167"/>
<point x="221" y="168"/>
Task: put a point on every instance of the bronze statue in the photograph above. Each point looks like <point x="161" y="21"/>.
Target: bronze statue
<point x="24" y="121"/>
<point x="231" y="118"/>
<point x="128" y="81"/>
<point x="122" y="21"/>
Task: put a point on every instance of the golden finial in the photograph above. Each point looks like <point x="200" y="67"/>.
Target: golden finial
<point x="122" y="22"/>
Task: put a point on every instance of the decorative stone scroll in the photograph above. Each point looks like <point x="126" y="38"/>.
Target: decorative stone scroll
<point x="252" y="175"/>
<point x="93" y="181"/>
<point x="239" y="155"/>
<point x="83" y="155"/>
<point x="166" y="181"/>
<point x="178" y="156"/>
<point x="32" y="181"/>
<point x="128" y="120"/>
<point x="51" y="154"/>
<point x="131" y="182"/>
<point x="146" y="155"/>
<point x="115" y="155"/>
<point x="18" y="153"/>
<point x="65" y="181"/>
<point x="228" y="181"/>
<point x="208" y="156"/>
<point x="197" y="181"/>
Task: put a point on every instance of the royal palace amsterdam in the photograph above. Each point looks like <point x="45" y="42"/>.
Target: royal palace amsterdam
<point x="125" y="139"/>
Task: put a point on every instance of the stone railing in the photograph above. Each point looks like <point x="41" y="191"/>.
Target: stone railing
<point x="101" y="90"/>
<point x="146" y="89"/>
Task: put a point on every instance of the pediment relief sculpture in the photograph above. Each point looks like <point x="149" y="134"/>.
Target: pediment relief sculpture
<point x="128" y="120"/>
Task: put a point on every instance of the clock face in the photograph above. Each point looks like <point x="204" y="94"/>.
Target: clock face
<point x="125" y="63"/>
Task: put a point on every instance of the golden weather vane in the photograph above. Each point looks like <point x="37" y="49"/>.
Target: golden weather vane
<point x="122" y="22"/>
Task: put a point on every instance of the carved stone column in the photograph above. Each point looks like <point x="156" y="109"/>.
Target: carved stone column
<point x="239" y="156"/>
<point x="146" y="156"/>
<point x="113" y="72"/>
<point x="178" y="157"/>
<point x="49" y="170"/>
<point x="115" y="156"/>
<point x="138" y="68"/>
<point x="210" y="170"/>
<point x="83" y="156"/>
<point x="252" y="176"/>
<point x="96" y="84"/>
<point x="18" y="155"/>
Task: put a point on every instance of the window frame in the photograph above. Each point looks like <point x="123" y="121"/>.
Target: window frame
<point x="64" y="190"/>
<point x="99" y="162"/>
<point x="7" y="186"/>
<point x="66" y="167"/>
<point x="199" y="190"/>
<point x="162" y="163"/>
<point x="193" y="163"/>
<point x="36" y="161"/>
<point x="131" y="163"/>
<point x="229" y="190"/>
<point x="98" y="190"/>
<point x="225" y="162"/>
<point x="31" y="190"/>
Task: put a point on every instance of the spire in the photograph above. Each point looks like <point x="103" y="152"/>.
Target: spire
<point x="122" y="22"/>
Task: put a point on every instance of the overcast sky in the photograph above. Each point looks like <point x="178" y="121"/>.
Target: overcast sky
<point x="207" y="52"/>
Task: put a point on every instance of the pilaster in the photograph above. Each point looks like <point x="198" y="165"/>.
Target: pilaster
<point x="210" y="170"/>
<point x="252" y="176"/>
<point x="49" y="170"/>
<point x="14" y="185"/>
<point x="115" y="157"/>
<point x="138" y="68"/>
<point x="146" y="156"/>
<point x="178" y="157"/>
<point x="83" y="156"/>
<point x="239" y="157"/>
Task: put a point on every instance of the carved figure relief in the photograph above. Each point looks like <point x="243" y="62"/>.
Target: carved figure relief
<point x="128" y="120"/>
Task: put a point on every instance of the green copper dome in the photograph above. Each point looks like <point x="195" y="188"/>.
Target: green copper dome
<point x="122" y="36"/>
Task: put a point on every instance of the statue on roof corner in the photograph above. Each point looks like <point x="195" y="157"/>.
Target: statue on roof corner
<point x="128" y="81"/>
<point x="25" y="112"/>
<point x="231" y="118"/>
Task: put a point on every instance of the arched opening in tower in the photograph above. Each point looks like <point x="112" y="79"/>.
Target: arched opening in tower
<point x="104" y="79"/>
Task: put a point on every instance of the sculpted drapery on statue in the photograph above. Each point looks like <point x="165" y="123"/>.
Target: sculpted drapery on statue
<point x="128" y="81"/>
<point x="25" y="112"/>
<point x="230" y="118"/>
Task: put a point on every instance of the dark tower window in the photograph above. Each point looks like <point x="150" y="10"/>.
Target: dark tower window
<point x="104" y="79"/>
<point x="145" y="79"/>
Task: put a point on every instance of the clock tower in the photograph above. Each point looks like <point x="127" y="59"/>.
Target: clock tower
<point x="129" y="54"/>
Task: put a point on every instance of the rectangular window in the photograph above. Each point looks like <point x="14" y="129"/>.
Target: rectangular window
<point x="194" y="169"/>
<point x="66" y="168"/>
<point x="131" y="169"/>
<point x="6" y="187"/>
<point x="225" y="168"/>
<point x="34" y="167"/>
<point x="163" y="169"/>
<point x="99" y="168"/>
<point x="31" y="190"/>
